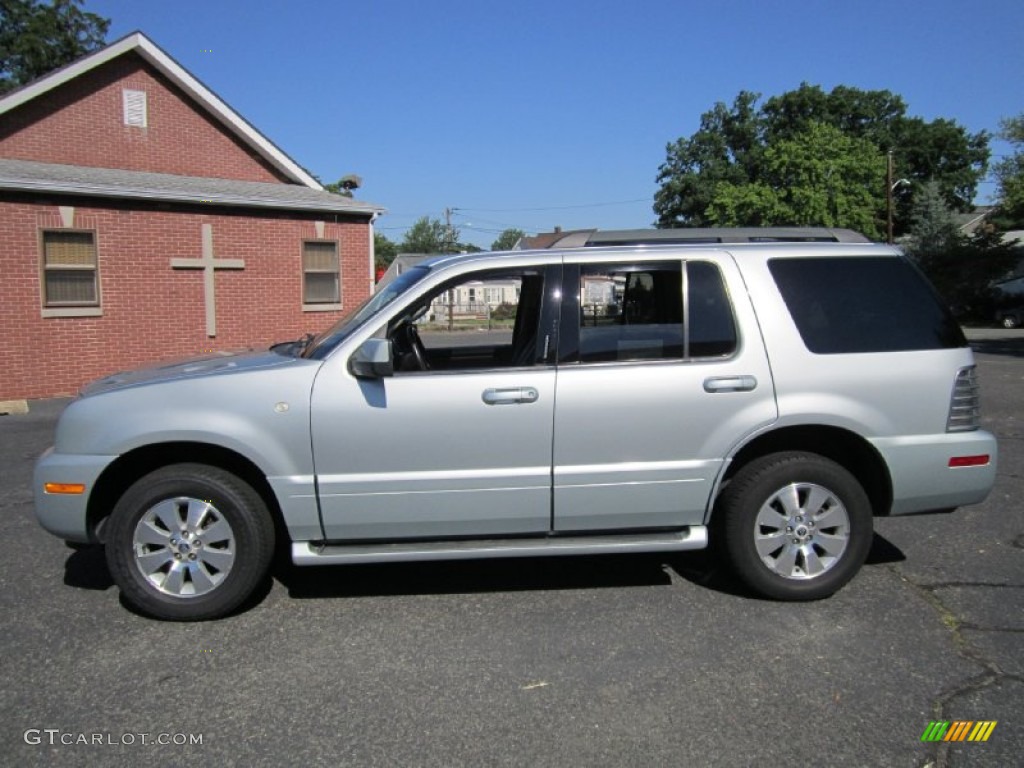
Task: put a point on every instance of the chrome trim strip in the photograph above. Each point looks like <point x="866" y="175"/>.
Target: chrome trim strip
<point x="308" y="553"/>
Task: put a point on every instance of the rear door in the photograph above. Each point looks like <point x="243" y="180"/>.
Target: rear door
<point x="661" y="372"/>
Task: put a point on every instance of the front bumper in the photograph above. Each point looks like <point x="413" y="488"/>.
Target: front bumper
<point x="64" y="514"/>
<point x="924" y="481"/>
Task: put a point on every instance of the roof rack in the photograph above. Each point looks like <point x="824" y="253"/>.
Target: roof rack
<point x="596" y="237"/>
<point x="725" y="235"/>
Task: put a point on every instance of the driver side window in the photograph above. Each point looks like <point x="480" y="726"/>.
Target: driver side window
<point x="480" y="321"/>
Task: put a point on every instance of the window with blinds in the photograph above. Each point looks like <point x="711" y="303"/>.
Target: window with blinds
<point x="69" y="269"/>
<point x="321" y="282"/>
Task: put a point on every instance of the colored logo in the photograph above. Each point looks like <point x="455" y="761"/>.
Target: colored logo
<point x="958" y="730"/>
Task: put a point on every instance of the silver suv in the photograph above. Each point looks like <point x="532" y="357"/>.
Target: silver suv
<point x="770" y="396"/>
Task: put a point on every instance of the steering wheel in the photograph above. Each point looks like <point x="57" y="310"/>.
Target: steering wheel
<point x="408" y="340"/>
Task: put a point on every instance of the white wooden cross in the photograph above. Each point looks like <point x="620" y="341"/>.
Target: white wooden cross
<point x="208" y="264"/>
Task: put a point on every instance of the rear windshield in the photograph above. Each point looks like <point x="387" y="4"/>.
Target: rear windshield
<point x="871" y="304"/>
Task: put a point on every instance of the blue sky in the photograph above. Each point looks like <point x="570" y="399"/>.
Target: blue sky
<point x="536" y="114"/>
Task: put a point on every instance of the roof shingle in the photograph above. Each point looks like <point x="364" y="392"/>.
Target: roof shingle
<point x="30" y="176"/>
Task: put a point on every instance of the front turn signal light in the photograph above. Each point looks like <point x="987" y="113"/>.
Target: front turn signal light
<point x="68" y="488"/>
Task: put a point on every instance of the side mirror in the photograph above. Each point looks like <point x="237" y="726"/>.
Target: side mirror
<point x="373" y="359"/>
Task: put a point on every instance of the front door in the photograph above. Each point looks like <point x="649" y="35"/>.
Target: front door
<point x="458" y="441"/>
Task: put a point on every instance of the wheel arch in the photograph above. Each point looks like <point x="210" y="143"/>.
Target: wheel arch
<point x="129" y="467"/>
<point x="845" y="448"/>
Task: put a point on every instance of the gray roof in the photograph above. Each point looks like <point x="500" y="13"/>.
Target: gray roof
<point x="28" y="176"/>
<point x="968" y="223"/>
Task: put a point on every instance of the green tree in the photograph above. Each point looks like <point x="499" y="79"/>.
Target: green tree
<point x="933" y="227"/>
<point x="818" y="177"/>
<point x="384" y="251"/>
<point x="507" y="240"/>
<point x="36" y="38"/>
<point x="962" y="268"/>
<point x="726" y="149"/>
<point x="429" y="235"/>
<point x="1009" y="173"/>
<point x="731" y="147"/>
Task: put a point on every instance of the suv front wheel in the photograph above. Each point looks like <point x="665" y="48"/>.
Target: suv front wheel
<point x="795" y="526"/>
<point x="189" y="542"/>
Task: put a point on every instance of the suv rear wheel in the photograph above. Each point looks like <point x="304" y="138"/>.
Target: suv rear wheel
<point x="189" y="542"/>
<point x="795" y="526"/>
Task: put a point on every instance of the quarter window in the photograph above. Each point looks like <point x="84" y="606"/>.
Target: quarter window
<point x="321" y="283"/>
<point x="867" y="304"/>
<point x="69" y="269"/>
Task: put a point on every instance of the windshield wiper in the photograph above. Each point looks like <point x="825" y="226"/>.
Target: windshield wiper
<point x="294" y="347"/>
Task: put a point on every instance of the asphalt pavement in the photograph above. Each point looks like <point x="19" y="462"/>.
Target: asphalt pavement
<point x="613" y="661"/>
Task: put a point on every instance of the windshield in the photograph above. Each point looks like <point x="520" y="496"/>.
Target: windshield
<point x="337" y="333"/>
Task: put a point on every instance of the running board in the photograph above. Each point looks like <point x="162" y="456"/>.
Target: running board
<point x="308" y="553"/>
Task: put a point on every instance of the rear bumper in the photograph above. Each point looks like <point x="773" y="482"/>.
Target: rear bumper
<point x="64" y="514"/>
<point x="923" y="479"/>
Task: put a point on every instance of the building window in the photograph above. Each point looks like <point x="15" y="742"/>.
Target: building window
<point x="134" y="107"/>
<point x="321" y="283"/>
<point x="70" y="269"/>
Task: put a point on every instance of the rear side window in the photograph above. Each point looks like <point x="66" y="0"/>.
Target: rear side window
<point x="663" y="311"/>
<point x="874" y="304"/>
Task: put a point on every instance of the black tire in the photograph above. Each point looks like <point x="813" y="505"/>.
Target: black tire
<point x="206" y="583"/>
<point x="813" y="509"/>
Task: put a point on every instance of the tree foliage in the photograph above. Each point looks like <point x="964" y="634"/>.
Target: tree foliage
<point x="818" y="176"/>
<point x="933" y="227"/>
<point x="37" y="38"/>
<point x="429" y="235"/>
<point x="963" y="268"/>
<point x="1009" y="173"/>
<point x="747" y="145"/>
<point x="384" y="251"/>
<point x="507" y="240"/>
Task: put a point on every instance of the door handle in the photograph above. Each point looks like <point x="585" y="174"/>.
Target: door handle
<point x="510" y="395"/>
<point x="730" y="384"/>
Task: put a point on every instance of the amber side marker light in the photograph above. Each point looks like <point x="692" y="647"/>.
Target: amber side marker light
<point x="72" y="488"/>
<point x="969" y="461"/>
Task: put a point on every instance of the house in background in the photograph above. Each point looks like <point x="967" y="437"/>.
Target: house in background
<point x="141" y="218"/>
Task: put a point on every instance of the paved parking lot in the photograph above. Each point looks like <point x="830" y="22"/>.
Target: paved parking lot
<point x="592" y="661"/>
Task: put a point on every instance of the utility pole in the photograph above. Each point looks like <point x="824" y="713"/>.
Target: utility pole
<point x="449" y="233"/>
<point x="888" y="197"/>
<point x="449" y="247"/>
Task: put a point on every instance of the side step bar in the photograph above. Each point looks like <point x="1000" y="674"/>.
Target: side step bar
<point x="309" y="553"/>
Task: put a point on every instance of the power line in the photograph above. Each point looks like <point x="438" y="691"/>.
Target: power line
<point x="556" y="207"/>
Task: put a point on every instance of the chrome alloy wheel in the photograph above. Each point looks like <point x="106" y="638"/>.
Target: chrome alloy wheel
<point x="801" y="531"/>
<point x="184" y="547"/>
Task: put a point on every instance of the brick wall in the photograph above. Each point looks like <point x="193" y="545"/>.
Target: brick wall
<point x="152" y="312"/>
<point x="82" y="123"/>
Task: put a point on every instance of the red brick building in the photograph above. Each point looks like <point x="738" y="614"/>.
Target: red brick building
<point x="141" y="218"/>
